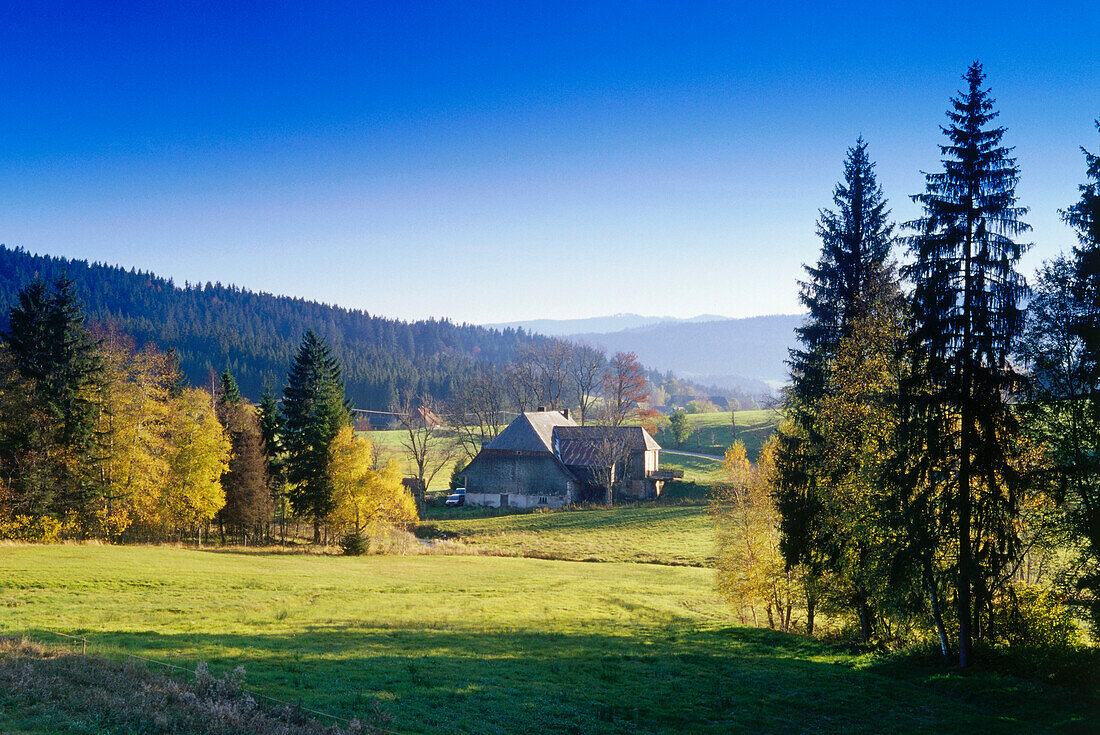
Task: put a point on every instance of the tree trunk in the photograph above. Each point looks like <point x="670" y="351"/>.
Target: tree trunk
<point x="965" y="611"/>
<point x="937" y="615"/>
<point x="864" y="619"/>
<point x="811" y="606"/>
<point x="316" y="532"/>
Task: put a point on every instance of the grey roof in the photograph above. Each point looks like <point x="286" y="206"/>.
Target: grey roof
<point x="634" y="438"/>
<point x="584" y="446"/>
<point x="531" y="432"/>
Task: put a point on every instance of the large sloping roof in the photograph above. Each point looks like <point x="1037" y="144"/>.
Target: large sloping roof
<point x="634" y="438"/>
<point x="531" y="432"/>
<point x="584" y="446"/>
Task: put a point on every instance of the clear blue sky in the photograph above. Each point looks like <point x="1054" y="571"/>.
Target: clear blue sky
<point x="500" y="161"/>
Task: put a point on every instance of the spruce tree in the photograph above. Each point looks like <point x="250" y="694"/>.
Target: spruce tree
<point x="1084" y="218"/>
<point x="1084" y="464"/>
<point x="270" y="431"/>
<point x="51" y="348"/>
<point x="313" y="411"/>
<point x="228" y="392"/>
<point x="856" y="239"/>
<point x="966" y="315"/>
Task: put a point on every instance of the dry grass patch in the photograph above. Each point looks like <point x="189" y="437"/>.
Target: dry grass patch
<point x="76" y="693"/>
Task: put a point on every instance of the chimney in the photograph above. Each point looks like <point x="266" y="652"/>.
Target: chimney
<point x="540" y="409"/>
<point x="565" y="412"/>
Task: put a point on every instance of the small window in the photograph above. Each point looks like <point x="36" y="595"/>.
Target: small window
<point x="542" y="501"/>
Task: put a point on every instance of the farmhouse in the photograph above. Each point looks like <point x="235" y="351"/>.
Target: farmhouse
<point x="543" y="459"/>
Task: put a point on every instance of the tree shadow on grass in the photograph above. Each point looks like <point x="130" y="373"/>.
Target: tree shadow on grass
<point x="659" y="680"/>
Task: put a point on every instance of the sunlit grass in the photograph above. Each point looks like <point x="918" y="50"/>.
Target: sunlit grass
<point x="714" y="432"/>
<point x="643" y="533"/>
<point x="490" y="644"/>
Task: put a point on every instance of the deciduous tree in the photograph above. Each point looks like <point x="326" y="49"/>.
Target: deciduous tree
<point x="751" y="572"/>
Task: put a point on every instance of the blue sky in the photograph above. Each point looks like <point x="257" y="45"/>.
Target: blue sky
<point x="501" y="161"/>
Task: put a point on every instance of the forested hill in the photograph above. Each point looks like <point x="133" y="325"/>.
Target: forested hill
<point x="255" y="335"/>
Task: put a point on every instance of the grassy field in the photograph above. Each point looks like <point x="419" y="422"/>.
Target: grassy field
<point x="680" y="534"/>
<point x="491" y="645"/>
<point x="390" y="444"/>
<point x="714" y="432"/>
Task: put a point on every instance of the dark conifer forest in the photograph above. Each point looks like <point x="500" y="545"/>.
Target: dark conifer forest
<point x="213" y="327"/>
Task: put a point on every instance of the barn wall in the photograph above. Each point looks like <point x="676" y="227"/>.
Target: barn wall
<point x="525" y="477"/>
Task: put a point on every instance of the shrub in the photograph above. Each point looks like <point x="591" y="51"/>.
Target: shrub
<point x="353" y="544"/>
<point x="1035" y="617"/>
<point x="42" y="530"/>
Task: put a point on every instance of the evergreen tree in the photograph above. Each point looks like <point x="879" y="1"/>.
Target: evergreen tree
<point x="313" y="411"/>
<point x="51" y="348"/>
<point x="248" y="502"/>
<point x="966" y="319"/>
<point x="228" y="392"/>
<point x="1084" y="218"/>
<point x="855" y="243"/>
<point x="1081" y="319"/>
<point x="270" y="430"/>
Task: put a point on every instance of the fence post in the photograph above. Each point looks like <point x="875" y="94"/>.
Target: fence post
<point x="83" y="646"/>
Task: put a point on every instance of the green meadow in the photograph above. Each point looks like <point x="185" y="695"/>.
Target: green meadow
<point x="672" y="534"/>
<point x="479" y="644"/>
<point x="713" y="433"/>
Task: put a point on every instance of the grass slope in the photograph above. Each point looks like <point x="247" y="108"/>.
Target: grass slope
<point x="713" y="432"/>
<point x="488" y="644"/>
<point x="644" y="533"/>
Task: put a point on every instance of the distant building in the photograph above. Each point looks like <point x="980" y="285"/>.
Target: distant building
<point x="543" y="459"/>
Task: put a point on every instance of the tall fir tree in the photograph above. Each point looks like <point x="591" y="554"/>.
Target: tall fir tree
<point x="271" y="428"/>
<point x="1084" y="512"/>
<point x="313" y="411"/>
<point x="856" y="239"/>
<point x="51" y="348"/>
<point x="966" y="314"/>
<point x="228" y="392"/>
<point x="1084" y="217"/>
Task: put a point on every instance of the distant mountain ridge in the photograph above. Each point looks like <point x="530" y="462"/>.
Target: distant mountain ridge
<point x="729" y="353"/>
<point x="596" y="324"/>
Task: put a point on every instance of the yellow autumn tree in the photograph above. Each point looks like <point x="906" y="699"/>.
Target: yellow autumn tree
<point x="132" y="429"/>
<point x="367" y="500"/>
<point x="199" y="453"/>
<point x="857" y="420"/>
<point x="751" y="573"/>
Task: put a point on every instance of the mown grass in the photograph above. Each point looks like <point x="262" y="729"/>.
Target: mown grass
<point x="494" y="645"/>
<point x="714" y="432"/>
<point x="679" y="534"/>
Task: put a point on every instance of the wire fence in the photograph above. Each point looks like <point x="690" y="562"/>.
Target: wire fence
<point x="194" y="672"/>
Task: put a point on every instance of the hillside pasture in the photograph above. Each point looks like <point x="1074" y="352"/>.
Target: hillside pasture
<point x="389" y="444"/>
<point x="490" y="645"/>
<point x="647" y="533"/>
<point x="713" y="433"/>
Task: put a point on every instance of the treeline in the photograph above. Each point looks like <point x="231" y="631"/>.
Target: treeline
<point x="101" y="439"/>
<point x="213" y="328"/>
<point x="938" y="474"/>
